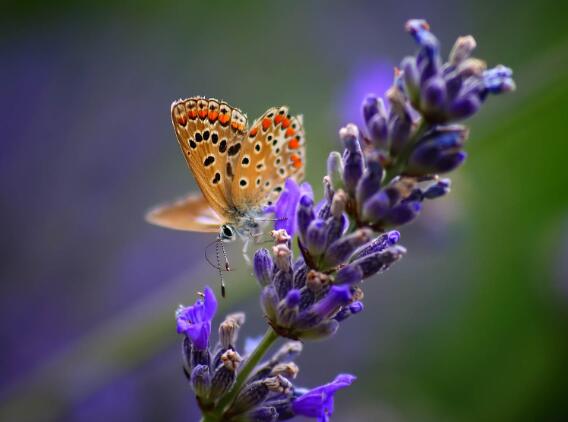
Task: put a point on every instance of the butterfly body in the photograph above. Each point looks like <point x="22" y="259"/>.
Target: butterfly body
<point x="239" y="170"/>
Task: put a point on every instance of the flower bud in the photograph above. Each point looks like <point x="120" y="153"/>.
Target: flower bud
<point x="186" y="354"/>
<point x="380" y="243"/>
<point x="411" y="79"/>
<point x="400" y="128"/>
<point x="498" y="80"/>
<point x="279" y="384"/>
<point x="433" y="98"/>
<point x="288" y="308"/>
<point x="402" y="213"/>
<point x="222" y="381"/>
<point x="347" y="311"/>
<point x="283" y="281"/>
<point x="376" y="207"/>
<point x="305" y="216"/>
<point x="321" y="331"/>
<point x="288" y="352"/>
<point x="465" y="106"/>
<point x="263" y="414"/>
<point x="335" y="170"/>
<point x="370" y="107"/>
<point x="441" y="188"/>
<point x="378" y="261"/>
<point x="353" y="158"/>
<point x="450" y="161"/>
<point x="370" y="183"/>
<point x="432" y="152"/>
<point x="282" y="257"/>
<point x="229" y="329"/>
<point x="269" y="301"/>
<point x="462" y="49"/>
<point x="338" y="203"/>
<point x="250" y="396"/>
<point x="263" y="266"/>
<point x="337" y="297"/>
<point x="200" y="380"/>
<point x="348" y="275"/>
<point x="300" y="276"/>
<point x="340" y="250"/>
<point x="288" y="370"/>
<point x="231" y="359"/>
<point x="316" y="237"/>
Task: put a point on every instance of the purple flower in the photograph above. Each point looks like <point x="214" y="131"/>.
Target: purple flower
<point x="195" y="321"/>
<point x="453" y="90"/>
<point x="318" y="402"/>
<point x="285" y="208"/>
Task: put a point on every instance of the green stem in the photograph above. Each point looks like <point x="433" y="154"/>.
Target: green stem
<point x="269" y="338"/>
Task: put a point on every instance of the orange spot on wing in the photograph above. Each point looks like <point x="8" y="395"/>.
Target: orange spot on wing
<point x="289" y="132"/>
<point x="203" y="113"/>
<point x="213" y="116"/>
<point x="266" y="123"/>
<point x="278" y="118"/>
<point x="285" y="123"/>
<point x="192" y="114"/>
<point x="182" y="120"/>
<point x="235" y="125"/>
<point x="253" y="131"/>
<point x="224" y="118"/>
<point x="296" y="161"/>
<point x="294" y="144"/>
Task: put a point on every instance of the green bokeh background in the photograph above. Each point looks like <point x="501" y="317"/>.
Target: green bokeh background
<point x="470" y="326"/>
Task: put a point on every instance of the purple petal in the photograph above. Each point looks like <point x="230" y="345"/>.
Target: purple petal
<point x="318" y="402"/>
<point x="287" y="204"/>
<point x="210" y="304"/>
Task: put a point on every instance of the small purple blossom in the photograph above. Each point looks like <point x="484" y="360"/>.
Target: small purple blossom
<point x="195" y="321"/>
<point x="318" y="402"/>
<point x="285" y="209"/>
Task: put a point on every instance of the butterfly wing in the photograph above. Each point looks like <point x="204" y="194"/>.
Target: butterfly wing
<point x="272" y="151"/>
<point x="209" y="133"/>
<point x="191" y="213"/>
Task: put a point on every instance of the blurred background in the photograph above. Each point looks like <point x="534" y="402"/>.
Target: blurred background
<point x="471" y="326"/>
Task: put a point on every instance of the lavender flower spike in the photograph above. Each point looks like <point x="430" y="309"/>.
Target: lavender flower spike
<point x="388" y="170"/>
<point x="318" y="402"/>
<point x="195" y="321"/>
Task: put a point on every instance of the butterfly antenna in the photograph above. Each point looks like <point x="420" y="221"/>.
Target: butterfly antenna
<point x="207" y="256"/>
<point x="261" y="238"/>
<point x="272" y="219"/>
<point x="219" y="241"/>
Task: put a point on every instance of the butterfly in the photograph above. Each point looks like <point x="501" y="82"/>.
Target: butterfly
<point x="239" y="170"/>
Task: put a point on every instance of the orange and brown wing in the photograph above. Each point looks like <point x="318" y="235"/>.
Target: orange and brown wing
<point x="191" y="213"/>
<point x="209" y="133"/>
<point x="273" y="151"/>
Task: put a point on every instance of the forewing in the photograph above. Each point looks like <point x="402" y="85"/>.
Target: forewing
<point x="209" y="132"/>
<point x="273" y="151"/>
<point x="191" y="213"/>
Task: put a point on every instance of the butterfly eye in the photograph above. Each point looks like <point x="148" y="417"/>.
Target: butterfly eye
<point x="227" y="232"/>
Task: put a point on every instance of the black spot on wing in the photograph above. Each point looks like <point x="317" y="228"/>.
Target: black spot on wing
<point x="234" y="149"/>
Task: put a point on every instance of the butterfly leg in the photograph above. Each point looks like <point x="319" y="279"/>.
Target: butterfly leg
<point x="246" y="243"/>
